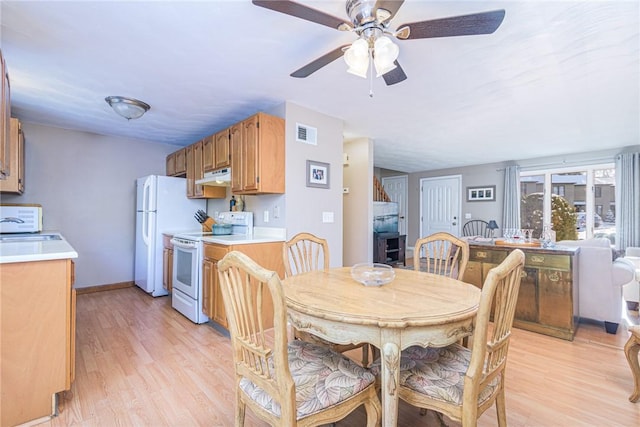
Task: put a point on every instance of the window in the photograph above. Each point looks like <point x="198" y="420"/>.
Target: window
<point x="598" y="190"/>
<point x="566" y="198"/>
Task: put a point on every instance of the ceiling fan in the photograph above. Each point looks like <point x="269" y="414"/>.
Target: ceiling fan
<point x="370" y="20"/>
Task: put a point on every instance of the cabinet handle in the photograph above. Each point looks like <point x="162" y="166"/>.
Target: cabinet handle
<point x="481" y="254"/>
<point x="554" y="277"/>
<point x="538" y="259"/>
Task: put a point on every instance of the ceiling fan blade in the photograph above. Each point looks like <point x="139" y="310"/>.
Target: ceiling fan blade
<point x="300" y="11"/>
<point x="394" y="76"/>
<point x="320" y="62"/>
<point x="464" y="25"/>
<point x="391" y="5"/>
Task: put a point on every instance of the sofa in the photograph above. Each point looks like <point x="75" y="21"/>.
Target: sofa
<point x="600" y="280"/>
<point x="631" y="290"/>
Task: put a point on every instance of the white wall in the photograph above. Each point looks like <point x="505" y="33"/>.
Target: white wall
<point x="358" y="203"/>
<point x="86" y="185"/>
<point x="304" y="205"/>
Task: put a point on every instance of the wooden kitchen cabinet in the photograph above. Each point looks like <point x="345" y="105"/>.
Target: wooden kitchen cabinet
<point x="222" y="153"/>
<point x="14" y="183"/>
<point x="38" y="305"/>
<point x="167" y="262"/>
<point x="268" y="255"/>
<point x="170" y="169"/>
<point x="208" y="153"/>
<point x="258" y="155"/>
<point x="5" y="118"/>
<point x="195" y="171"/>
<point x="181" y="162"/>
<point x="547" y="300"/>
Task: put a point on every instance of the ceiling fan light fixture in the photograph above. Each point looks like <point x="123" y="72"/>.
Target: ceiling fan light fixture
<point x="128" y="108"/>
<point x="385" y="52"/>
<point x="357" y="58"/>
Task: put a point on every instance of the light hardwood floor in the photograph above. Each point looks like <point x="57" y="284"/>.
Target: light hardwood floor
<point x="141" y="363"/>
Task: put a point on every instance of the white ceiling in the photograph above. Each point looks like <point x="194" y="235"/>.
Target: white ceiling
<point x="558" y="77"/>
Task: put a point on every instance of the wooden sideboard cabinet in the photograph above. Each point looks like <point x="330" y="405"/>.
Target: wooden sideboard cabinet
<point x="389" y="248"/>
<point x="548" y="297"/>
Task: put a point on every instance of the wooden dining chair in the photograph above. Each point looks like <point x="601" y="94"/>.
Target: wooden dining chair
<point x="462" y="383"/>
<point x="476" y="227"/>
<point x="285" y="383"/>
<point x="306" y="252"/>
<point x="441" y="253"/>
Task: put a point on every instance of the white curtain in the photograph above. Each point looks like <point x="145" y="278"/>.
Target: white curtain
<point x="628" y="209"/>
<point x="511" y="207"/>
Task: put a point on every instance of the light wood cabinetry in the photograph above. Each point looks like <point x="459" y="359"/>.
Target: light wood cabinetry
<point x="14" y="183"/>
<point x="195" y="171"/>
<point x="268" y="255"/>
<point x="208" y="154"/>
<point x="547" y="300"/>
<point x="181" y="162"/>
<point x="177" y="163"/>
<point x="223" y="155"/>
<point x="5" y="116"/>
<point x="255" y="150"/>
<point x="38" y="337"/>
<point x="258" y="156"/>
<point x="171" y="165"/>
<point x="167" y="262"/>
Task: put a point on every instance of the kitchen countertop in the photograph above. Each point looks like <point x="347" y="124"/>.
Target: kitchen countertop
<point x="23" y="251"/>
<point x="260" y="235"/>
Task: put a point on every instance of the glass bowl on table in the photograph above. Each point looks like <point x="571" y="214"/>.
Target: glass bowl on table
<point x="372" y="274"/>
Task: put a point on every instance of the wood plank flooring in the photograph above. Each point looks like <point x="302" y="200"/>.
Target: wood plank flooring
<point x="141" y="363"/>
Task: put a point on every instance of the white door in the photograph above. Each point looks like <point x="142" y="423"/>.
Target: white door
<point x="440" y="205"/>
<point x="396" y="189"/>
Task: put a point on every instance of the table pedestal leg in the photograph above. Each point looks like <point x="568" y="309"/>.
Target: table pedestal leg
<point x="631" y="350"/>
<point x="389" y="383"/>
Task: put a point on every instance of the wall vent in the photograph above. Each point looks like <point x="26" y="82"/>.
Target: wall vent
<point x="306" y="134"/>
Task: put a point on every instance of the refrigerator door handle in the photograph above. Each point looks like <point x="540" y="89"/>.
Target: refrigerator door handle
<point x="145" y="228"/>
<point x="146" y="194"/>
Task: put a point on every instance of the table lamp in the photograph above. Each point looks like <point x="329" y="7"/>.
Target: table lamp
<point x="493" y="225"/>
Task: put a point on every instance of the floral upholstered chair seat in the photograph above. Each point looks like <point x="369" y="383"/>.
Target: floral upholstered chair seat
<point x="322" y="378"/>
<point x="437" y="372"/>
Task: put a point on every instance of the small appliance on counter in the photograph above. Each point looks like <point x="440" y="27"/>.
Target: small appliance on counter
<point x="20" y="218"/>
<point x="188" y="254"/>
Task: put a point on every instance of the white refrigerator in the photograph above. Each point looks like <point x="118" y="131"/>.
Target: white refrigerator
<point x="161" y="205"/>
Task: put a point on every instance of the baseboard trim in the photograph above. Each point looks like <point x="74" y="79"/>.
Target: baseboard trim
<point x="108" y="287"/>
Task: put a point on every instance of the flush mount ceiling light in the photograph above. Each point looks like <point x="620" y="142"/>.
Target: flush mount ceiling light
<point x="128" y="108"/>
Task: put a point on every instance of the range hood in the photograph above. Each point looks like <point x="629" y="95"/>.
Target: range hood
<point x="220" y="178"/>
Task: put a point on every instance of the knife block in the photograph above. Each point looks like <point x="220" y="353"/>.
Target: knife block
<point x="208" y="224"/>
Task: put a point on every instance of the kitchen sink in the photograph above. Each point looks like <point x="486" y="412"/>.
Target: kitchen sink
<point x="29" y="238"/>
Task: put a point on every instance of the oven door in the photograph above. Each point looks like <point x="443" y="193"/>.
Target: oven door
<point x="186" y="268"/>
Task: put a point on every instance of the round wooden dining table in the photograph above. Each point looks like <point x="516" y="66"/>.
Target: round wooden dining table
<point x="416" y="308"/>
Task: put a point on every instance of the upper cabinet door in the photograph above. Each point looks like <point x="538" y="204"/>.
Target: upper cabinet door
<point x="208" y="154"/>
<point x="5" y="119"/>
<point x="223" y="157"/>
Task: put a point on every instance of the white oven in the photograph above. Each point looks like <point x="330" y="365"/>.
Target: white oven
<point x="187" y="280"/>
<point x="188" y="255"/>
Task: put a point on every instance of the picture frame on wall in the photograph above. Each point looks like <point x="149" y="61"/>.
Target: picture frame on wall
<point x="318" y="174"/>
<point x="485" y="193"/>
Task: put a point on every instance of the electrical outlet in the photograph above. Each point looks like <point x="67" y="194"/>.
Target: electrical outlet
<point x="266" y="216"/>
<point x="276" y="212"/>
<point x="467" y="216"/>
